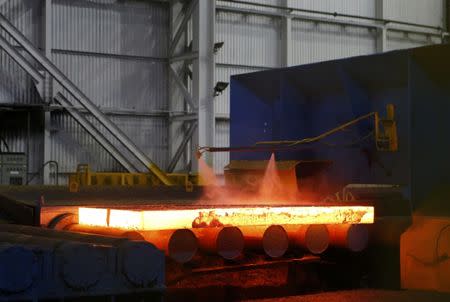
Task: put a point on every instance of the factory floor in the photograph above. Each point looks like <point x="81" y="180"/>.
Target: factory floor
<point x="366" y="295"/>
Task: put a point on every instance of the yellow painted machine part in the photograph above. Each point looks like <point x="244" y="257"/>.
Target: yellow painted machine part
<point x="85" y="177"/>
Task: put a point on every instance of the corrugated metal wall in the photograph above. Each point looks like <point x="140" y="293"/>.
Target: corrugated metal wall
<point x="429" y="12"/>
<point x="15" y="85"/>
<point x="313" y="42"/>
<point x="71" y="146"/>
<point x="111" y="27"/>
<point x="117" y="82"/>
<point x="351" y="7"/>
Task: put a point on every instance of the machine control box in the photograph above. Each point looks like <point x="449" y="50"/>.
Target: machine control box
<point x="13" y="168"/>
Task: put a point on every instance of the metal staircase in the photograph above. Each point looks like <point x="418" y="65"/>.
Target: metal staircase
<point x="122" y="155"/>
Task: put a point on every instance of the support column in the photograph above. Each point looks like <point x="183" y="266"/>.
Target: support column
<point x="286" y="37"/>
<point x="203" y="78"/>
<point x="447" y="14"/>
<point x="182" y="106"/>
<point x="380" y="6"/>
<point x="48" y="91"/>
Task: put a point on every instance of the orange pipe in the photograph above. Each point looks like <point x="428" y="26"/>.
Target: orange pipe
<point x="314" y="238"/>
<point x="228" y="242"/>
<point x="181" y="245"/>
<point x="354" y="237"/>
<point x="273" y="240"/>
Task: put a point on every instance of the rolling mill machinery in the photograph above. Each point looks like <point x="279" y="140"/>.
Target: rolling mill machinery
<point x="337" y="179"/>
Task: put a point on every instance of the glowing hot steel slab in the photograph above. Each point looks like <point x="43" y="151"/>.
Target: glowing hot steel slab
<point x="198" y="218"/>
<point x="92" y="216"/>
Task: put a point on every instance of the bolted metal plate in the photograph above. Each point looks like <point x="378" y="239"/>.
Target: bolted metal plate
<point x="82" y="265"/>
<point x="142" y="263"/>
<point x="16" y="268"/>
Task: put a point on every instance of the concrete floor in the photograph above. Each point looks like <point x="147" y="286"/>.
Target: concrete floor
<point x="367" y="295"/>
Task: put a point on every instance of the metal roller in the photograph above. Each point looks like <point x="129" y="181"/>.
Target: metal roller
<point x="181" y="245"/>
<point x="138" y="273"/>
<point x="17" y="264"/>
<point x="105" y="231"/>
<point x="273" y="240"/>
<point x="228" y="242"/>
<point x="354" y="237"/>
<point x="313" y="238"/>
<point x="80" y="265"/>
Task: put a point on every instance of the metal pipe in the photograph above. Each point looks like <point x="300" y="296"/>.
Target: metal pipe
<point x="273" y="240"/>
<point x="354" y="237"/>
<point x="314" y="238"/>
<point x="18" y="264"/>
<point x="228" y="242"/>
<point x="181" y="245"/>
<point x="80" y="265"/>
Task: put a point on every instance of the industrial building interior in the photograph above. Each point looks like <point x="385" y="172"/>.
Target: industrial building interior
<point x="221" y="150"/>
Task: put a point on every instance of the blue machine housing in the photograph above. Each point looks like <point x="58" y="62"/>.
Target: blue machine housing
<point x="308" y="100"/>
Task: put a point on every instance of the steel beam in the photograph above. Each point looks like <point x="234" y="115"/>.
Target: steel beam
<point x="381" y="42"/>
<point x="179" y="83"/>
<point x="182" y="148"/>
<point x="188" y="56"/>
<point x="187" y="95"/>
<point x="286" y="56"/>
<point x="187" y="15"/>
<point x="184" y="117"/>
<point x="121" y="112"/>
<point x="47" y="93"/>
<point x="447" y="15"/>
<point x="234" y="65"/>
<point x="203" y="78"/>
<point x="110" y="55"/>
<point x="21" y="60"/>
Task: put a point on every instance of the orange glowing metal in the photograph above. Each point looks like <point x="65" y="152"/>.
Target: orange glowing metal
<point x="177" y="219"/>
<point x="126" y="219"/>
<point x="91" y="216"/>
